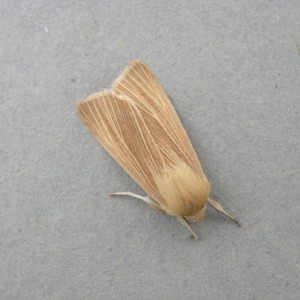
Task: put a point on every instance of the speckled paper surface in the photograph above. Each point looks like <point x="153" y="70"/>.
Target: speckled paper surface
<point x="232" y="70"/>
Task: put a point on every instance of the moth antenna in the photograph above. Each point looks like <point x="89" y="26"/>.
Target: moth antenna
<point x="219" y="208"/>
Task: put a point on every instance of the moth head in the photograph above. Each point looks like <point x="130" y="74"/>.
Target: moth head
<point x="184" y="192"/>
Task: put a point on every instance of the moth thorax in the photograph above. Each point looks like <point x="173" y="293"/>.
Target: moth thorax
<point x="184" y="191"/>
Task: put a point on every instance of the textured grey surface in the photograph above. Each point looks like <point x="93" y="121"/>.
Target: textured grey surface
<point x="232" y="69"/>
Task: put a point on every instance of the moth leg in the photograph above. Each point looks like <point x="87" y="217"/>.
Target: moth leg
<point x="147" y="199"/>
<point x="185" y="223"/>
<point x="218" y="207"/>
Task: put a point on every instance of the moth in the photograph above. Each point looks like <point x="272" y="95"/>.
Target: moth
<point x="138" y="126"/>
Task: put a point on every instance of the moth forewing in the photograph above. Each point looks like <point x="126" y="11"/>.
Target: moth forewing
<point x="117" y="124"/>
<point x="138" y="126"/>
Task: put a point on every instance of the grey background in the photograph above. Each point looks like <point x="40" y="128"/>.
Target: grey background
<point x="232" y="69"/>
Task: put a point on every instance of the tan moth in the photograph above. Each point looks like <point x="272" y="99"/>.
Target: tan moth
<point x="137" y="125"/>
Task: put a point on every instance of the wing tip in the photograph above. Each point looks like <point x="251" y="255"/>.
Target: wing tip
<point x="94" y="96"/>
<point x="123" y="74"/>
<point x="81" y="104"/>
<point x="113" y="91"/>
<point x="102" y="95"/>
